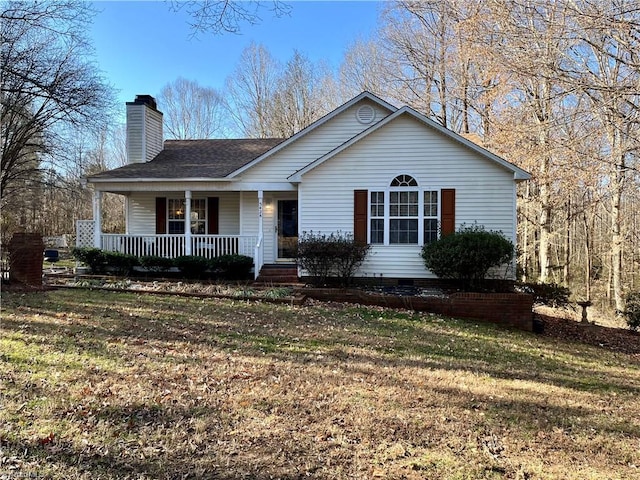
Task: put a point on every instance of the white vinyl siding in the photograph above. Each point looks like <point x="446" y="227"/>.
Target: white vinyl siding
<point x="141" y="212"/>
<point x="311" y="146"/>
<point x="135" y="133"/>
<point x="144" y="133"/>
<point x="484" y="190"/>
<point x="153" y="130"/>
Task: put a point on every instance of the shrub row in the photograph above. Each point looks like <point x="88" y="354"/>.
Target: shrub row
<point x="226" y="267"/>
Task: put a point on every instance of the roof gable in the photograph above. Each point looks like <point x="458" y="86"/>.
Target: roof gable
<point x="519" y="174"/>
<point x="327" y="118"/>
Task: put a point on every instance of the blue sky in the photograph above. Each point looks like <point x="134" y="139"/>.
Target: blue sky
<point x="141" y="46"/>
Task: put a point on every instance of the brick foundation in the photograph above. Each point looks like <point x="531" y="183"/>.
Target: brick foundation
<point x="25" y="258"/>
<point x="508" y="309"/>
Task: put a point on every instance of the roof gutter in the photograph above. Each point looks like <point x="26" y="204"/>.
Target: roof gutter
<point x="153" y="180"/>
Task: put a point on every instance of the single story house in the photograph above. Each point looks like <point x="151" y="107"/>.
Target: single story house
<point x="389" y="176"/>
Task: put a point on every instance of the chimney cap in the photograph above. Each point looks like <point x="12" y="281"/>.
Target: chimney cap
<point x="147" y="100"/>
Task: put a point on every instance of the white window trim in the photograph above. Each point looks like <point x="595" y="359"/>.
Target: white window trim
<point x="184" y="220"/>
<point x="387" y="206"/>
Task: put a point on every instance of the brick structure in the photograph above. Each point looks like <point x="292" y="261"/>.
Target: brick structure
<point x="25" y="258"/>
<point x="509" y="309"/>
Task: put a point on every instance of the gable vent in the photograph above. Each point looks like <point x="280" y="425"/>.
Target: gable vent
<point x="366" y="114"/>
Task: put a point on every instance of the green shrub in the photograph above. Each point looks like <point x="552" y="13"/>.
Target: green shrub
<point x="121" y="263"/>
<point x="94" y="258"/>
<point x="550" y="294"/>
<point x="232" y="267"/>
<point x="192" y="266"/>
<point x="335" y="255"/>
<point x="101" y="261"/>
<point x="156" y="264"/>
<point x="632" y="310"/>
<point x="467" y="255"/>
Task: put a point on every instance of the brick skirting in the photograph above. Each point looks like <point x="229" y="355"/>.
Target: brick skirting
<point x="508" y="309"/>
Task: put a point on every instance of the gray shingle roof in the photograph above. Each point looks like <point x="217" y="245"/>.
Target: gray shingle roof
<point x="194" y="159"/>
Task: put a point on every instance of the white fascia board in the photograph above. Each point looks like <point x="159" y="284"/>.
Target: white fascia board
<point x="519" y="174"/>
<point x="265" y="186"/>
<point x="155" y="180"/>
<point x="199" y="186"/>
<point x="313" y="126"/>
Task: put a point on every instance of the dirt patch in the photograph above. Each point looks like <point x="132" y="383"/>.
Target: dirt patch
<point x="611" y="338"/>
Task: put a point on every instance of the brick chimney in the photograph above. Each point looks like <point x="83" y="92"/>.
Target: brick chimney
<point x="144" y="129"/>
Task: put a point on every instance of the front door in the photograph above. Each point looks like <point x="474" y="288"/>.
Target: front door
<point x="287" y="229"/>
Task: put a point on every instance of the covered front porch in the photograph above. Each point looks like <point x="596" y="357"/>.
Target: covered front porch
<point x="261" y="225"/>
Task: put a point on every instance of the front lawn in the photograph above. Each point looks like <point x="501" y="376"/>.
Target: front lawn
<point x="110" y="385"/>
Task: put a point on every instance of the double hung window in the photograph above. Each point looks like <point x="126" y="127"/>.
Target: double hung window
<point x="404" y="214"/>
<point x="176" y="210"/>
<point x="377" y="217"/>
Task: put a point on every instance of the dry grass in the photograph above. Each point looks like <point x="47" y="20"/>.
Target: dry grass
<point x="99" y="385"/>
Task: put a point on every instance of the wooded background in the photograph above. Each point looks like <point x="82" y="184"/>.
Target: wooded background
<point x="553" y="87"/>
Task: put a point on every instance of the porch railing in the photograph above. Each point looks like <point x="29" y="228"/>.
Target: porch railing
<point x="172" y="246"/>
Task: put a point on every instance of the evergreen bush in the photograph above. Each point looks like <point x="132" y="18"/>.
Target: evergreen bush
<point x="94" y="258"/>
<point x="632" y="310"/>
<point x="156" y="264"/>
<point x="232" y="266"/>
<point x="101" y="261"/>
<point x="121" y="263"/>
<point x="550" y="294"/>
<point x="192" y="266"/>
<point x="467" y="255"/>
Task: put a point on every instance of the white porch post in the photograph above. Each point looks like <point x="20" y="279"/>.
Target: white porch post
<point x="97" y="219"/>
<point x="260" y="213"/>
<point x="259" y="253"/>
<point x="126" y="215"/>
<point x="187" y="222"/>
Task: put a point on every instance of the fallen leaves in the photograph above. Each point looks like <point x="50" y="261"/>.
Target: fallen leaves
<point x="159" y="387"/>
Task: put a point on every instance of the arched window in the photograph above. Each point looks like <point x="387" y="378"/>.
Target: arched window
<point x="403" y="210"/>
<point x="404" y="181"/>
<point x="404" y="214"/>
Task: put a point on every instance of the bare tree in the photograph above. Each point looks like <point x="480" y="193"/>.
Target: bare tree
<point x="190" y="110"/>
<point x="533" y="43"/>
<point x="297" y="100"/>
<point x="364" y="68"/>
<point x="251" y="89"/>
<point x="49" y="87"/>
<point x="605" y="69"/>
<point x="220" y="16"/>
